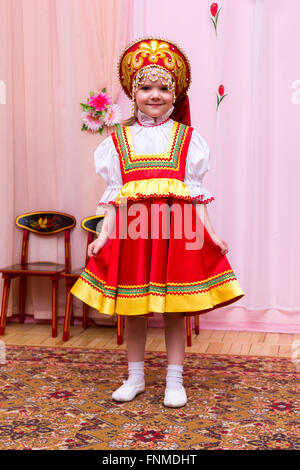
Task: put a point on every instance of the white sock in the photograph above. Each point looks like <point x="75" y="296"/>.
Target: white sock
<point x="136" y="373"/>
<point x="174" y="376"/>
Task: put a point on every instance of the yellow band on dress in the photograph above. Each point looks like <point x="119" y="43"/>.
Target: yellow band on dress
<point x="153" y="187"/>
<point x="205" y="300"/>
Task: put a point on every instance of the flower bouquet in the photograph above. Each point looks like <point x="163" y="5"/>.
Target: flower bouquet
<point x="99" y="112"/>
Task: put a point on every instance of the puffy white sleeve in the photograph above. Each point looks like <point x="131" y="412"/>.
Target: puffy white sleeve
<point x="197" y="165"/>
<point x="107" y="166"/>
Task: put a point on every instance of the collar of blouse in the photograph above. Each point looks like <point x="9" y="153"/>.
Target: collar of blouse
<point x="148" y="121"/>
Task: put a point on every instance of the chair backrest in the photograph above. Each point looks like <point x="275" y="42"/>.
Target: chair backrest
<point x="93" y="226"/>
<point x="46" y="223"/>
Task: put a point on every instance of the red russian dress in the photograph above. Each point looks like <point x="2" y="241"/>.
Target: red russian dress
<point x="152" y="262"/>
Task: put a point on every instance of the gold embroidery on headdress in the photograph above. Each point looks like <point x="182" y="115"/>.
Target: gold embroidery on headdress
<point x="156" y="53"/>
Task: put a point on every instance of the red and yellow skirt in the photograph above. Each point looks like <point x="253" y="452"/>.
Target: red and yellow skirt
<point x="160" y="258"/>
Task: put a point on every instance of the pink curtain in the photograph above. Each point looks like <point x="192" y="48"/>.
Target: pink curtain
<point x="254" y="140"/>
<point x="53" y="52"/>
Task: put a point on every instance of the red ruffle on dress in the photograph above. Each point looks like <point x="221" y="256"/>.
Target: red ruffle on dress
<point x="160" y="257"/>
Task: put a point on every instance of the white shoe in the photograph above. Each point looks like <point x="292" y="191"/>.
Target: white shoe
<point x="175" y="398"/>
<point x="128" y="392"/>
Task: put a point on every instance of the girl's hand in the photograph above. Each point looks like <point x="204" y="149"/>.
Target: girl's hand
<point x="96" y="246"/>
<point x="220" y="243"/>
<point x="106" y="229"/>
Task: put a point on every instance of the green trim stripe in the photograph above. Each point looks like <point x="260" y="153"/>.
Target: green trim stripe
<point x="97" y="284"/>
<point x="152" y="163"/>
<point x="168" y="289"/>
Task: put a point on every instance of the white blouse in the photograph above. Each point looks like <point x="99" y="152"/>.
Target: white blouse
<point x="153" y="139"/>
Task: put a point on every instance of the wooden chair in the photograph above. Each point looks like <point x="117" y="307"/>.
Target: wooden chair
<point x="92" y="225"/>
<point x="189" y="328"/>
<point x="43" y="224"/>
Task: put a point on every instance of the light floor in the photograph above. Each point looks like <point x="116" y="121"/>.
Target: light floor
<point x="208" y="341"/>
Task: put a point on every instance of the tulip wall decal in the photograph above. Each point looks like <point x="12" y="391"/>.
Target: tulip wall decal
<point x="215" y="10"/>
<point x="220" y="95"/>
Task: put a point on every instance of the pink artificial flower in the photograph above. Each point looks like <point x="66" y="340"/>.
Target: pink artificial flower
<point x="92" y="122"/>
<point x="100" y="101"/>
<point x="113" y="115"/>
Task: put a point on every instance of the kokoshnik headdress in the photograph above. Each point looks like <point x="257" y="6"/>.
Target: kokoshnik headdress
<point x="157" y="58"/>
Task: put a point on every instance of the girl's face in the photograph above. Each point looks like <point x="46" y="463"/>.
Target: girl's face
<point x="153" y="98"/>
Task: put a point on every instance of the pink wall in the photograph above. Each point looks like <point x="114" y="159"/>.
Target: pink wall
<point x="54" y="52"/>
<point x="254" y="141"/>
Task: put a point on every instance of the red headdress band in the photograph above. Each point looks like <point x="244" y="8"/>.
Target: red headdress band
<point x="181" y="112"/>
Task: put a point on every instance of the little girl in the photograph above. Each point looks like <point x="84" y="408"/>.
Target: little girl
<point x="168" y="259"/>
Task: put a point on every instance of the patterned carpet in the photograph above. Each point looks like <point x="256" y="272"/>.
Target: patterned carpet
<point x="57" y="398"/>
